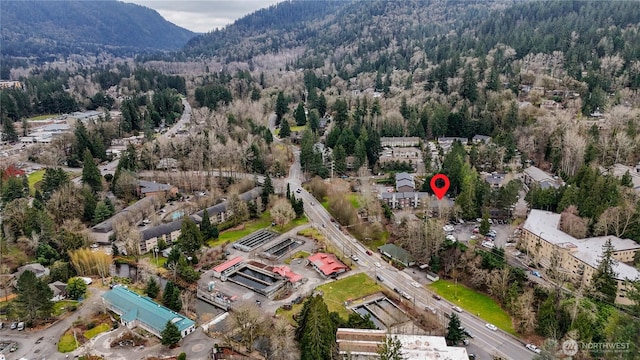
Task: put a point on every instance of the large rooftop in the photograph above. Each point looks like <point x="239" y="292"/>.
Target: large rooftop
<point x="546" y="225"/>
<point x="137" y="307"/>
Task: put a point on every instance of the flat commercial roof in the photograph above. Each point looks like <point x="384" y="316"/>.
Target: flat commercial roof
<point x="224" y="266"/>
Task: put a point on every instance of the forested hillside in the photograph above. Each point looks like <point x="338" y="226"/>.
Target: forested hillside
<point x="362" y="36"/>
<point x="42" y="28"/>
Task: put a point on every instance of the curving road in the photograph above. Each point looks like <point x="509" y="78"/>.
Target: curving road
<point x="487" y="342"/>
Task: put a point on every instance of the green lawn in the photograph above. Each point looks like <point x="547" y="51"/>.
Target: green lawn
<point x="161" y="260"/>
<point x="96" y="330"/>
<point x="249" y="227"/>
<point x="34" y="178"/>
<point x="475" y="303"/>
<point x="67" y="343"/>
<point x="352" y="287"/>
<point x="298" y="128"/>
<point x="43" y="117"/>
<point x="61" y="307"/>
<point x="353" y="199"/>
<point x="254" y="225"/>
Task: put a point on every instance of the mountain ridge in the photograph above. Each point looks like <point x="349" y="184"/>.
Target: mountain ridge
<point x="42" y="28"/>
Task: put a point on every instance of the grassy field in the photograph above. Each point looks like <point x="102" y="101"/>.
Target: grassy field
<point x="352" y="287"/>
<point x="43" y="117"/>
<point x="298" y="128"/>
<point x="34" y="178"/>
<point x="248" y="227"/>
<point x="96" y="330"/>
<point x="61" y="307"/>
<point x="67" y="343"/>
<point x="336" y="293"/>
<point x="475" y="303"/>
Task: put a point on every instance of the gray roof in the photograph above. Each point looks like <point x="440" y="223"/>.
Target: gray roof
<point x="168" y="228"/>
<point x="405" y="182"/>
<point x="396" y="253"/>
<point x="403" y="175"/>
<point x="483" y="138"/>
<point x="127" y="214"/>
<point x="537" y="174"/>
<point x="151" y="187"/>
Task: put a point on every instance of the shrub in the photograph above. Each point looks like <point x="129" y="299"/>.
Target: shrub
<point x="182" y="356"/>
<point x="91" y="325"/>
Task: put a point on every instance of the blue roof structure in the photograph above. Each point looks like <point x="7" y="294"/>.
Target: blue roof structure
<point x="133" y="306"/>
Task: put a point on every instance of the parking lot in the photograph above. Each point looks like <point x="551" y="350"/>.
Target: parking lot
<point x="464" y="232"/>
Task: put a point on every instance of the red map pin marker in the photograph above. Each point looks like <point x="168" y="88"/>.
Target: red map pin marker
<point x="440" y="191"/>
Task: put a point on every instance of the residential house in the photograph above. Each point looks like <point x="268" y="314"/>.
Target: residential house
<point x="535" y="176"/>
<point x="477" y="139"/>
<point x="580" y="258"/>
<point x="59" y="290"/>
<point x="618" y="170"/>
<point x="38" y="269"/>
<point x="364" y="344"/>
<point x="327" y="265"/>
<point x="140" y="311"/>
<point x="397" y="254"/>
<point x="391" y="142"/>
<point x="8" y="84"/>
<point x="405" y="182"/>
<point x="86" y="116"/>
<point x="151" y="188"/>
<point x="496" y="180"/>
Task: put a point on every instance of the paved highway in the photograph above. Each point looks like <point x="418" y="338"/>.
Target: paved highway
<point x="491" y="342"/>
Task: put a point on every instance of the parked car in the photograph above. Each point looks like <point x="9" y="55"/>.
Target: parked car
<point x="456" y="308"/>
<point x="20" y="326"/>
<point x="533" y="348"/>
<point x="436" y="296"/>
<point x="14" y="325"/>
<point x="467" y="333"/>
<point x="536" y="274"/>
<point x="39" y="340"/>
<point x="299" y="190"/>
<point x="491" y="327"/>
<point x="379" y="278"/>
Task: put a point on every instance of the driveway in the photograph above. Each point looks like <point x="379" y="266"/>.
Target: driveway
<point x="48" y="346"/>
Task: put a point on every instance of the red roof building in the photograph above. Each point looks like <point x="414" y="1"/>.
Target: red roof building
<point x="227" y="267"/>
<point x="286" y="272"/>
<point x="327" y="264"/>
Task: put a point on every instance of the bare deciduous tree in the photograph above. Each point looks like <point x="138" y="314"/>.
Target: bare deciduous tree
<point x="282" y="212"/>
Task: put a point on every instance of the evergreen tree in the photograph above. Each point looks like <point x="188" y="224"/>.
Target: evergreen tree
<point x="316" y="332"/>
<point x="321" y="105"/>
<point x="267" y="189"/>
<point x="484" y="224"/>
<point x="215" y="233"/>
<point x="626" y="180"/>
<point x="190" y="239"/>
<point x="152" y="289"/>
<point x="170" y="335"/>
<point x="455" y="334"/>
<point x="12" y="189"/>
<point x="9" y="132"/>
<point x="171" y="296"/>
<point x="340" y="160"/>
<point x="391" y="349"/>
<point x="101" y="213"/>
<point x="604" y="279"/>
<point x="90" y="173"/>
<point x="281" y="107"/>
<point x="285" y="130"/>
<point x="469" y="89"/>
<point x="205" y="225"/>
<point x="34" y="298"/>
<point x="299" y="115"/>
<point x="314" y="121"/>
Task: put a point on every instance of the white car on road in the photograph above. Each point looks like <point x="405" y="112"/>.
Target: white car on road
<point x="378" y="265"/>
<point x="415" y="284"/>
<point x="533" y="348"/>
<point x="456" y="308"/>
<point x="491" y="327"/>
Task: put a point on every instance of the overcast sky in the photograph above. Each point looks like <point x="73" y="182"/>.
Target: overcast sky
<point x="204" y="15"/>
